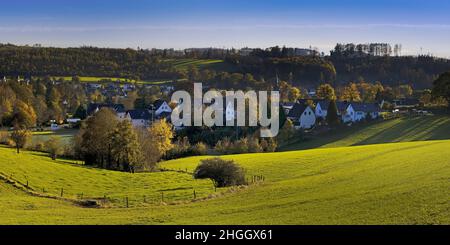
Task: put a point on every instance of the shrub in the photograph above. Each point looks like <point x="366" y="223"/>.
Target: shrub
<point x="38" y="146"/>
<point x="254" y="146"/>
<point x="4" y="137"/>
<point x="223" y="146"/>
<point x="200" y="149"/>
<point x="240" y="146"/>
<point x="222" y="172"/>
<point x="53" y="147"/>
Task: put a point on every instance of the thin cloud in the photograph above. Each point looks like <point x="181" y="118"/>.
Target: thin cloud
<point x="214" y="28"/>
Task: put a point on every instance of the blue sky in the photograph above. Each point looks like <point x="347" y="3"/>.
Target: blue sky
<point x="422" y="26"/>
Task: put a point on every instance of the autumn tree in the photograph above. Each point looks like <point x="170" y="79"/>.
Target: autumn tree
<point x="95" y="144"/>
<point x="161" y="134"/>
<point x="154" y="143"/>
<point x="325" y="91"/>
<point x="125" y="148"/>
<point x="53" y="147"/>
<point x="351" y="93"/>
<point x="20" y="136"/>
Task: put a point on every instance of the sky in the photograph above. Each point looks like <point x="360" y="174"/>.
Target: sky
<point x="421" y="26"/>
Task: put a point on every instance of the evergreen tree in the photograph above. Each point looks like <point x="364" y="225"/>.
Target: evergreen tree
<point x="332" y="114"/>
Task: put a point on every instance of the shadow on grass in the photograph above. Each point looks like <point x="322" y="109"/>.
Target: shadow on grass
<point x="400" y="130"/>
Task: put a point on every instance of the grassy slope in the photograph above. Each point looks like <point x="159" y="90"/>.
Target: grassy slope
<point x="41" y="172"/>
<point x="396" y="130"/>
<point x="403" y="183"/>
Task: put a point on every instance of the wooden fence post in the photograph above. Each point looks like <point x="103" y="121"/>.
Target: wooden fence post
<point x="162" y="196"/>
<point x="62" y="192"/>
<point x="126" y="199"/>
<point x="195" y="195"/>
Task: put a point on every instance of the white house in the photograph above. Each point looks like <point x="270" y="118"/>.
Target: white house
<point x="346" y="111"/>
<point x="321" y="108"/>
<point x="160" y="107"/>
<point x="362" y="110"/>
<point x="303" y="116"/>
<point x="139" y="117"/>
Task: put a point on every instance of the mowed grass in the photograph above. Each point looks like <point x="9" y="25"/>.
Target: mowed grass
<point x="395" y="183"/>
<point x="184" y="64"/>
<point x="65" y="135"/>
<point x="47" y="176"/>
<point x="88" y="79"/>
<point x="403" y="129"/>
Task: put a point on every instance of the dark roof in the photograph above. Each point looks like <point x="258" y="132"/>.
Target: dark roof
<point x="406" y="102"/>
<point x="366" y="107"/>
<point x="323" y="104"/>
<point x="342" y="105"/>
<point x="164" y="115"/>
<point x="288" y="104"/>
<point x="297" y="110"/>
<point x="92" y="107"/>
<point x="158" y="103"/>
<point x="140" y="114"/>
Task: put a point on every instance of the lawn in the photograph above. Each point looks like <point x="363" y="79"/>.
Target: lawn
<point x="66" y="136"/>
<point x="393" y="183"/>
<point x="403" y="129"/>
<point x="88" y="79"/>
<point x="46" y="176"/>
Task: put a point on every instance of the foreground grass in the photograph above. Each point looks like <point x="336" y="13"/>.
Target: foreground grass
<point x="396" y="130"/>
<point x="46" y="176"/>
<point x="402" y="183"/>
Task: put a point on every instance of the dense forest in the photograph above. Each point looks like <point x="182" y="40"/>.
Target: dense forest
<point x="419" y="72"/>
<point x="306" y="71"/>
<point x="84" y="61"/>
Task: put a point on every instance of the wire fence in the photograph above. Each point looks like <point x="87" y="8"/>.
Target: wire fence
<point x="129" y="199"/>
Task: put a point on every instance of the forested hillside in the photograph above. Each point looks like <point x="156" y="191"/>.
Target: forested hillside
<point x="310" y="71"/>
<point x="84" y="61"/>
<point x="420" y="72"/>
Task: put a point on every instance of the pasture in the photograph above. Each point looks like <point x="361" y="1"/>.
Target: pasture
<point x="393" y="183"/>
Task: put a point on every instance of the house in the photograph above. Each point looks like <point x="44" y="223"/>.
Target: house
<point x="119" y="109"/>
<point x="127" y="87"/>
<point x="345" y="111"/>
<point x="321" y="108"/>
<point x="302" y="115"/>
<point x="287" y="106"/>
<point x="139" y="117"/>
<point x="362" y="110"/>
<point x="94" y="86"/>
<point x="160" y="107"/>
<point x="406" y="103"/>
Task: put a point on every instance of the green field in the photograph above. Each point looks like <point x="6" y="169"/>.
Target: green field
<point x="66" y="136"/>
<point x="184" y="64"/>
<point x="395" y="130"/>
<point x="88" y="79"/>
<point x="390" y="183"/>
<point x="47" y="176"/>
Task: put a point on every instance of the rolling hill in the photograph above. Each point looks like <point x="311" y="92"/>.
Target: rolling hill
<point x="404" y="129"/>
<point x="394" y="183"/>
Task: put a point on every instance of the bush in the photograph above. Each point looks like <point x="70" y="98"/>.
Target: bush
<point x="200" y="149"/>
<point x="4" y="137"/>
<point x="53" y="147"/>
<point x="38" y="146"/>
<point x="222" y="172"/>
